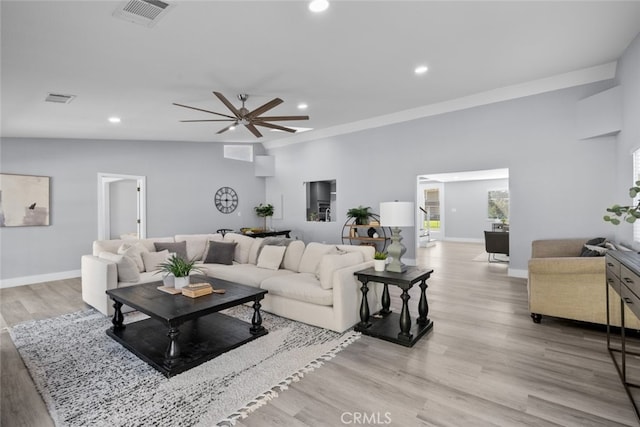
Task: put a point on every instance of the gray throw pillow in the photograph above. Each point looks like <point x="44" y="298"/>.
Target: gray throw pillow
<point x="179" y="248"/>
<point x="220" y="253"/>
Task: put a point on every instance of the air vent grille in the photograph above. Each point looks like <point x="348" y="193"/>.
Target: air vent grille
<point x="143" y="12"/>
<point x="59" y="98"/>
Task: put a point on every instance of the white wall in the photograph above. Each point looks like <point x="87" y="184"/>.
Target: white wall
<point x="466" y="205"/>
<point x="123" y="209"/>
<point x="628" y="140"/>
<point x="182" y="178"/>
<point x="559" y="185"/>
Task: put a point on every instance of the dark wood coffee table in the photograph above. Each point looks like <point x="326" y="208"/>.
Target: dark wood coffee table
<point x="184" y="332"/>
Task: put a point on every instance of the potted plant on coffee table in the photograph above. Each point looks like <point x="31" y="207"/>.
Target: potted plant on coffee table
<point x="264" y="211"/>
<point x="180" y="269"/>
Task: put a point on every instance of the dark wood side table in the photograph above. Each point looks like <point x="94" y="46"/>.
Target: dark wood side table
<point x="385" y="323"/>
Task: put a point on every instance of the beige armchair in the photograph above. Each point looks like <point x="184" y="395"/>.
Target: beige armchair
<point x="564" y="284"/>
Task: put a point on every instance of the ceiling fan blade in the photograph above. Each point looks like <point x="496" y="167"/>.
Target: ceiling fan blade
<point x="226" y="129"/>
<point x="228" y="104"/>
<point x="282" y="118"/>
<point x="272" y="126"/>
<point x="210" y="120"/>
<point x="265" y="107"/>
<point x="206" y="111"/>
<point x="253" y="130"/>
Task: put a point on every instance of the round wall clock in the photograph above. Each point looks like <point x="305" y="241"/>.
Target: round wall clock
<point x="226" y="200"/>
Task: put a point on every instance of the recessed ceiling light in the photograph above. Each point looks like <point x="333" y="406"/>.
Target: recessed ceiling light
<point x="421" y="69"/>
<point x="114" y="119"/>
<point x="317" y="6"/>
<point x="302" y="106"/>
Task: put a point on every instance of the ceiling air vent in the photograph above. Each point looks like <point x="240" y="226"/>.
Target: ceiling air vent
<point x="59" y="98"/>
<point x="143" y="12"/>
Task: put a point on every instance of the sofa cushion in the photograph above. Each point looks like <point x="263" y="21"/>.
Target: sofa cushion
<point x="245" y="274"/>
<point x="126" y="267"/>
<point x="312" y="256"/>
<point x="220" y="253"/>
<point x="133" y="251"/>
<point x="197" y="243"/>
<point x="243" y="248"/>
<point x="332" y="262"/>
<point x="271" y="257"/>
<point x="113" y="245"/>
<point x="299" y="286"/>
<point x="293" y="255"/>
<point x="255" y="250"/>
<point x="152" y="260"/>
<point x="178" y="248"/>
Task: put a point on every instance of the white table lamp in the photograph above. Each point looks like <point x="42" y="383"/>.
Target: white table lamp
<point x="396" y="215"/>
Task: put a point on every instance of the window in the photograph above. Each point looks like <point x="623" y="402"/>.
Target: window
<point x="432" y="208"/>
<point x="498" y="204"/>
<point x="321" y="201"/>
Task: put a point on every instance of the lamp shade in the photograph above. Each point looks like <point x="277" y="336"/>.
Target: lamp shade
<point x="397" y="214"/>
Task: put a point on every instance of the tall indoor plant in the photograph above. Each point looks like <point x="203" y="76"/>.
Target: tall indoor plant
<point x="628" y="213"/>
<point x="264" y="211"/>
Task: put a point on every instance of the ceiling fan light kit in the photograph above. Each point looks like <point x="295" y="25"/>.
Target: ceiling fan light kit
<point x="242" y="115"/>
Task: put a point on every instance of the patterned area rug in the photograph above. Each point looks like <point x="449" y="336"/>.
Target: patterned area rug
<point x="88" y="379"/>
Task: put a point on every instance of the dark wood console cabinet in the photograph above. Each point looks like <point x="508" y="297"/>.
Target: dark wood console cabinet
<point x="623" y="276"/>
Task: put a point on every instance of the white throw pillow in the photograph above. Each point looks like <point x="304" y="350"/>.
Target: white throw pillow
<point x="332" y="262"/>
<point x="271" y="257"/>
<point x="133" y="251"/>
<point x="126" y="267"/>
<point x="153" y="259"/>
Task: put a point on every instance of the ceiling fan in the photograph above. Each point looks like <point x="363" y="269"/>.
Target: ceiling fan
<point x="250" y="119"/>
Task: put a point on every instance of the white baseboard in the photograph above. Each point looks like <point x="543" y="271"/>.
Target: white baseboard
<point x="28" y="280"/>
<point x="514" y="272"/>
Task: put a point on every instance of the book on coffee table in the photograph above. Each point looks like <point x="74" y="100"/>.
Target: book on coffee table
<point x="195" y="290"/>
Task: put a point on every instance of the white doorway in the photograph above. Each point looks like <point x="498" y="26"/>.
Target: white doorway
<point x="121" y="206"/>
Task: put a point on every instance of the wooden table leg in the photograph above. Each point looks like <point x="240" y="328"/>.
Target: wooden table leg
<point x="364" y="307"/>
<point x="256" y="320"/>
<point x="173" y="349"/>
<point x="386" y="301"/>
<point x="423" y="305"/>
<point x="405" y="319"/>
<point x="118" y="318"/>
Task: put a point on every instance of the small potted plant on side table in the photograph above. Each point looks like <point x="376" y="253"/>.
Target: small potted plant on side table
<point x="379" y="261"/>
<point x="180" y="269"/>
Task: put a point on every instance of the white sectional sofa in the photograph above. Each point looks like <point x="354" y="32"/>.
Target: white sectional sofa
<point x="313" y="283"/>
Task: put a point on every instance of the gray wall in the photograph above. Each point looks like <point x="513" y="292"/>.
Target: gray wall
<point x="559" y="185"/>
<point x="628" y="140"/>
<point x="465" y="203"/>
<point x="182" y="178"/>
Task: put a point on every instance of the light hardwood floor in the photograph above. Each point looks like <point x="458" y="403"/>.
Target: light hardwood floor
<point x="484" y="364"/>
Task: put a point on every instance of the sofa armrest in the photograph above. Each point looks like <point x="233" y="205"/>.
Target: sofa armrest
<point x="347" y="294"/>
<point x="567" y="265"/>
<point x="98" y="275"/>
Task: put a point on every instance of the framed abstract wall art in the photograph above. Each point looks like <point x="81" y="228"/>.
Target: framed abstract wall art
<point x="24" y="200"/>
